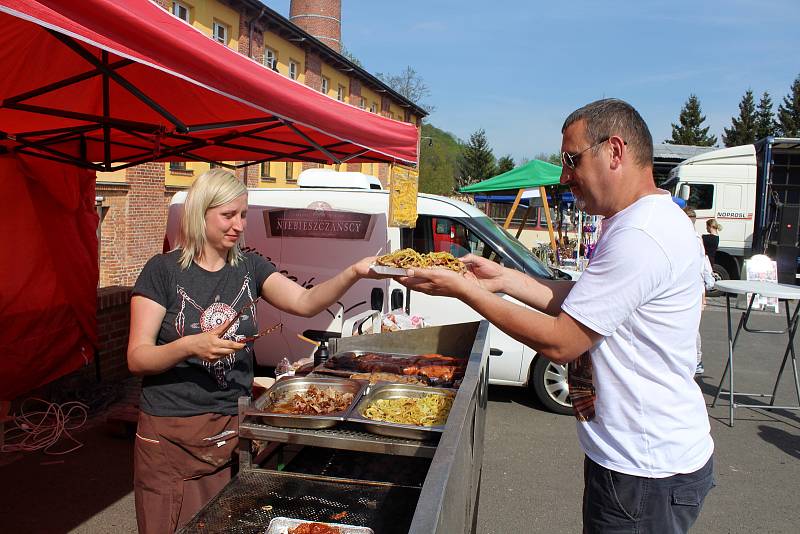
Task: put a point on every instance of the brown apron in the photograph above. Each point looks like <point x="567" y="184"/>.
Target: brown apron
<point x="180" y="463"/>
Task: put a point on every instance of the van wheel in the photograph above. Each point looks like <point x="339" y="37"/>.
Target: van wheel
<point x="720" y="273"/>
<point x="550" y="386"/>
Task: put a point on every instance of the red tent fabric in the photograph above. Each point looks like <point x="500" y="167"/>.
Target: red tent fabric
<point x="106" y="84"/>
<point x="48" y="262"/>
<point x="94" y="82"/>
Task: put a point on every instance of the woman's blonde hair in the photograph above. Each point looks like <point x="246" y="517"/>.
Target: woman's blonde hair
<point x="712" y="223"/>
<point x="211" y="189"/>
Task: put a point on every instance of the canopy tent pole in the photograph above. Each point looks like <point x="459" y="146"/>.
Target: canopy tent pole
<point x="524" y="220"/>
<point x="513" y="209"/>
<point x="543" y="193"/>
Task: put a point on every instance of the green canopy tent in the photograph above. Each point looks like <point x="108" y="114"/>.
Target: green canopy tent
<point x="535" y="173"/>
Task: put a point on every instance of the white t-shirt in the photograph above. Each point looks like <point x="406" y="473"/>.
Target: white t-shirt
<point x="642" y="293"/>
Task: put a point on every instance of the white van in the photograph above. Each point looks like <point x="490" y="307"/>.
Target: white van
<point x="311" y="234"/>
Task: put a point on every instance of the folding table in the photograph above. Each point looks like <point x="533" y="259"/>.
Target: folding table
<point x="783" y="292"/>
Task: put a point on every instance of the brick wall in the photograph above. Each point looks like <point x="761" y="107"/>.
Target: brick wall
<point x="113" y="320"/>
<point x="313" y="71"/>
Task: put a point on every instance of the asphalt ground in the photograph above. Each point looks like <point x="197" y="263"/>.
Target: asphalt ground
<point x="532" y="467"/>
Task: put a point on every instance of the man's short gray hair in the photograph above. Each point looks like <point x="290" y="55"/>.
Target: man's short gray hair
<point x="612" y="116"/>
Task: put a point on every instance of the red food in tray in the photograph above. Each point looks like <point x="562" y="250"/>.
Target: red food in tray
<point x="435" y="368"/>
<point x="314" y="528"/>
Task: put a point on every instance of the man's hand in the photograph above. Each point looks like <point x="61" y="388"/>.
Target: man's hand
<point x="490" y="275"/>
<point x="439" y="282"/>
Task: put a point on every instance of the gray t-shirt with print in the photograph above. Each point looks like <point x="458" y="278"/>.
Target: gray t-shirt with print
<point x="196" y="301"/>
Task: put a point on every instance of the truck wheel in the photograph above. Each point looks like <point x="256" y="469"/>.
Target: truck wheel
<point x="550" y="385"/>
<point x="720" y="273"/>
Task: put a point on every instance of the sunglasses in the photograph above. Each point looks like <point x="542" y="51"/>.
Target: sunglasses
<point x="572" y="160"/>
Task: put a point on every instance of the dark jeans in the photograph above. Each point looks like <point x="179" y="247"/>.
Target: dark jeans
<point x="615" y="503"/>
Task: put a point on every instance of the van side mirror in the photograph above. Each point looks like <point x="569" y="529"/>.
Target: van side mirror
<point x="376" y="299"/>
<point x="684" y="191"/>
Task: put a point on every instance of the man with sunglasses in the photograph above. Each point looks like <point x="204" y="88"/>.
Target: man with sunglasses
<point x="626" y="327"/>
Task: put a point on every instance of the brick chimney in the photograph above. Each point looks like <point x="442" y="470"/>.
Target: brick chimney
<point x="320" y="18"/>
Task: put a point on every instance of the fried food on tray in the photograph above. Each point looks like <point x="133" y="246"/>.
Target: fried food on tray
<point x="427" y="368"/>
<point x="430" y="410"/>
<point x="387" y="377"/>
<point x="408" y="258"/>
<point x="313" y="401"/>
<point x="314" y="528"/>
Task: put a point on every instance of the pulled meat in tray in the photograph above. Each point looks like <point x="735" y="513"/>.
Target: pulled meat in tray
<point x="313" y="401"/>
<point x="433" y="368"/>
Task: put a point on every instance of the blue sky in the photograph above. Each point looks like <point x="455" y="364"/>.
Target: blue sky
<point x="517" y="68"/>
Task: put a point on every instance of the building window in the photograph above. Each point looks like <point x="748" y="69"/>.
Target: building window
<point x="374" y="107"/>
<point x="290" y="173"/>
<point x="265" y="173"/>
<point x="325" y="85"/>
<point x="293" y="69"/>
<point x="271" y="59"/>
<point x="181" y="10"/>
<point x="340" y="93"/>
<point x="362" y="102"/>
<point x="179" y="166"/>
<point x="220" y="33"/>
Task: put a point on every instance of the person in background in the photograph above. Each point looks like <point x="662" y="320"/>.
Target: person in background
<point x="627" y="326"/>
<point x="707" y="275"/>
<point x="711" y="239"/>
<point x="193" y="322"/>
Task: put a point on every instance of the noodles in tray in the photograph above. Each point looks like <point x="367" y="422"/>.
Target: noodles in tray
<point x="409" y="258"/>
<point x="430" y="410"/>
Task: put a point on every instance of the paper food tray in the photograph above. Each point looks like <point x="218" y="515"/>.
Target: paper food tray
<point x="389" y="271"/>
<point x="281" y="525"/>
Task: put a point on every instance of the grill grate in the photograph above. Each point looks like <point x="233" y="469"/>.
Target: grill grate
<point x="404" y="470"/>
<point x="252" y="499"/>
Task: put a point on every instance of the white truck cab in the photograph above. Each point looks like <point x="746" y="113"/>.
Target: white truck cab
<point x="312" y="233"/>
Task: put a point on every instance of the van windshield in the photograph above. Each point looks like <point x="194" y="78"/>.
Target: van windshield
<point x="501" y="239"/>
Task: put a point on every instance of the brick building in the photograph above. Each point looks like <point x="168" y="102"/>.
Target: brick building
<point x="306" y="47"/>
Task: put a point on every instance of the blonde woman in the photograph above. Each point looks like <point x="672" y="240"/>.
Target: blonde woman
<point x="188" y="340"/>
<point x="711" y="239"/>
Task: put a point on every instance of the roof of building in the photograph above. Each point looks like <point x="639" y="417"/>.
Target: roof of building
<point x="667" y="151"/>
<point x="282" y="26"/>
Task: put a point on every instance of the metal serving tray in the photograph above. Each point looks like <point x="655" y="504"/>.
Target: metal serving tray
<point x="281" y="525"/>
<point x="288" y="386"/>
<point x="398" y="430"/>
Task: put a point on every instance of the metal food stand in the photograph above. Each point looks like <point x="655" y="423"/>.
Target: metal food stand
<point x="347" y="475"/>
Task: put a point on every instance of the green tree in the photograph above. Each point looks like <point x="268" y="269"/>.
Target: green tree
<point x="477" y="160"/>
<point x="743" y="128"/>
<point x="765" y="119"/>
<point x="789" y="112"/>
<point x="349" y="55"/>
<point x="438" y="161"/>
<point x="554" y="158"/>
<point x="504" y="164"/>
<point x="410" y="85"/>
<point x="689" y="131"/>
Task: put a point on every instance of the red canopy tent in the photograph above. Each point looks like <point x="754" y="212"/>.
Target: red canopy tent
<point x="107" y="84"/>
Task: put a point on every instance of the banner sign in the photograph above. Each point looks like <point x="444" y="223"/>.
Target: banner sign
<point x="317" y="223"/>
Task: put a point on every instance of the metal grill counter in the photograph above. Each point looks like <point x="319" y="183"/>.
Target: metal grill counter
<point x="349" y="475"/>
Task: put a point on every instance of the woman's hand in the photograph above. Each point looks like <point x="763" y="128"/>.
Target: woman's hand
<point x="209" y="347"/>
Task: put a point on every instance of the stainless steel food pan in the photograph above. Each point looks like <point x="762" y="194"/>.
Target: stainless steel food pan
<point x="286" y="387"/>
<point x="396" y="391"/>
